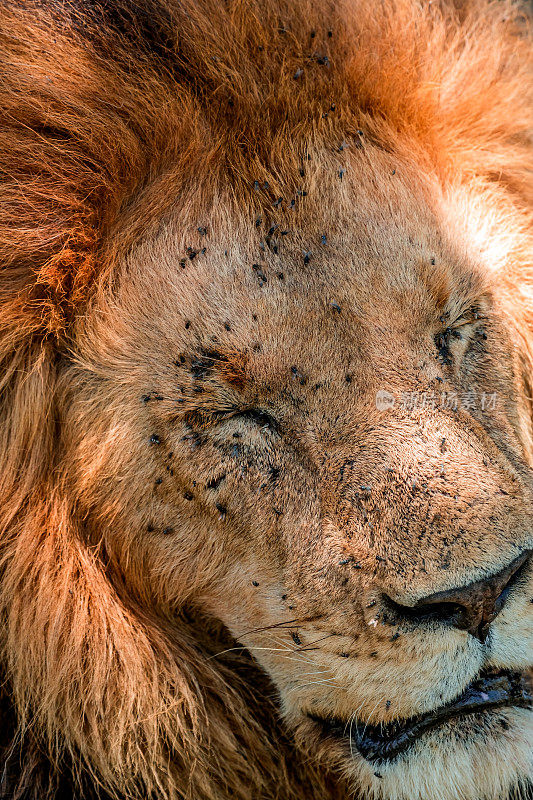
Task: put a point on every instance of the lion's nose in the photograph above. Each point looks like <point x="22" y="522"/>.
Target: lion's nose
<point x="470" y="608"/>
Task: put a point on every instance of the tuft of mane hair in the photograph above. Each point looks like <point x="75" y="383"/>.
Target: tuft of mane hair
<point x="111" y="111"/>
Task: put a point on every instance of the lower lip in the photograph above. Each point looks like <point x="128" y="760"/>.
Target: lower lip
<point x="385" y="742"/>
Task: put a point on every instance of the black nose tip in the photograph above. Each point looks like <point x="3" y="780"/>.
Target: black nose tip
<point x="470" y="608"/>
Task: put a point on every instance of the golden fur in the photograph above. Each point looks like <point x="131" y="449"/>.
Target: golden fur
<point x="133" y="136"/>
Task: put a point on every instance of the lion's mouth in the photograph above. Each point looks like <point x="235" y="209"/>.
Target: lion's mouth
<point x="491" y="690"/>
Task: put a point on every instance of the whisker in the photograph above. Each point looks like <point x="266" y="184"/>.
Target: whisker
<point x="280" y="625"/>
<point x="353" y="717"/>
<point x="270" y="627"/>
<point x="244" y="647"/>
<point x="326" y="682"/>
<point x="314" y="672"/>
<point x="309" y="647"/>
<point x="370" y="715"/>
<point x="351" y="720"/>
<point x="300" y="660"/>
<point x="296" y="651"/>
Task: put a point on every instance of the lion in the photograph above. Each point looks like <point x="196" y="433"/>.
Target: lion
<point x="266" y="400"/>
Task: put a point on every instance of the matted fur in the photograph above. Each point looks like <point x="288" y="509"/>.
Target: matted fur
<point x="114" y="114"/>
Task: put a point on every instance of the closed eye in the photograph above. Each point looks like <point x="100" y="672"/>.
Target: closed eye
<point x="261" y="418"/>
<point x="454" y="338"/>
<point x="256" y="416"/>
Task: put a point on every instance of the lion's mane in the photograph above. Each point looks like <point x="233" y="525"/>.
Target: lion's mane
<point x="110" y="111"/>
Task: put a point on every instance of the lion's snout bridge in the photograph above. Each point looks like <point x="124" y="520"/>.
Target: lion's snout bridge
<point x="472" y="607"/>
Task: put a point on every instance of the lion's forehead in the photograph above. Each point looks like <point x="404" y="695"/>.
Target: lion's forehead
<point x="325" y="290"/>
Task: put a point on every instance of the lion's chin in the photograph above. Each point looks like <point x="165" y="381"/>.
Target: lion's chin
<point x="478" y="747"/>
<point x="383" y="743"/>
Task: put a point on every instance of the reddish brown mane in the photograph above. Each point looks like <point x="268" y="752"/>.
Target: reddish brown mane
<point x="106" y="105"/>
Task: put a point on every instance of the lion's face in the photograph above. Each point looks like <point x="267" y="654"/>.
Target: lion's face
<point x="307" y="430"/>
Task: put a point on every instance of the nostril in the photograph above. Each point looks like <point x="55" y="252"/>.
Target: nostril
<point x="514" y="578"/>
<point x="471" y="608"/>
